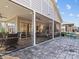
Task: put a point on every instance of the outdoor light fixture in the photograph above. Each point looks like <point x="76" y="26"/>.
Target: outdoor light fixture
<point x="6" y="6"/>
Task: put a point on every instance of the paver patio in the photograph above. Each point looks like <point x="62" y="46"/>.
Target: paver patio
<point x="59" y="48"/>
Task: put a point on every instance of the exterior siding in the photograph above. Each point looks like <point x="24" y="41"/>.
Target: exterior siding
<point x="41" y="6"/>
<point x="36" y="5"/>
<point x="25" y="3"/>
<point x="44" y="8"/>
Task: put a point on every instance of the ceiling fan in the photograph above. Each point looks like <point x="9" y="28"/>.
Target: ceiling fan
<point x="1" y="17"/>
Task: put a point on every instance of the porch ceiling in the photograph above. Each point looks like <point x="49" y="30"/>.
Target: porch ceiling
<point x="43" y="19"/>
<point x="9" y="9"/>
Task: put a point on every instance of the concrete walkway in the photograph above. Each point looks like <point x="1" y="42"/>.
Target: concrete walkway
<point x="60" y="48"/>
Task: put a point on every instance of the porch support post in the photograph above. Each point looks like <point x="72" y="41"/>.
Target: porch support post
<point x="60" y="29"/>
<point x="34" y="28"/>
<point x="53" y="29"/>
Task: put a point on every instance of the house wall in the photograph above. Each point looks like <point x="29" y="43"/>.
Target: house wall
<point x="23" y="23"/>
<point x="20" y="23"/>
<point x="69" y="28"/>
<point x="55" y="10"/>
<point x="13" y="20"/>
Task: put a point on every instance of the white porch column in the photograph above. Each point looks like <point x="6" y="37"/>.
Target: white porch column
<point x="34" y="28"/>
<point x="53" y="29"/>
<point x="60" y="29"/>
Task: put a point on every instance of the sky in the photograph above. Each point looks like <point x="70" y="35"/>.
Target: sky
<point x="69" y="10"/>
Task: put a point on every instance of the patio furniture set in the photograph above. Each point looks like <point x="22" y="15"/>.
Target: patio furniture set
<point x="10" y="41"/>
